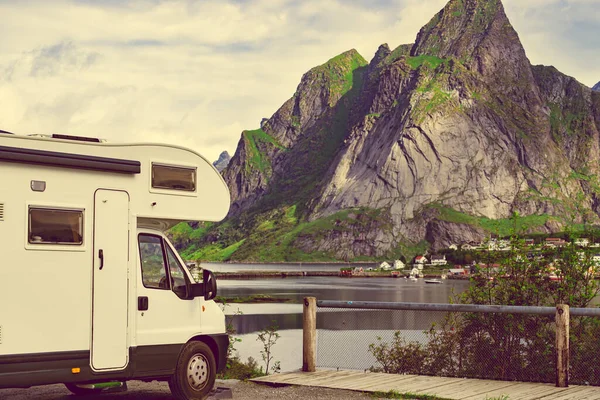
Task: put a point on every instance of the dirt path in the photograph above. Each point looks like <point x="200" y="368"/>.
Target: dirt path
<point x="160" y="391"/>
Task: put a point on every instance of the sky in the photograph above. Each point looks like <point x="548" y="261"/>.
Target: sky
<point x="198" y="73"/>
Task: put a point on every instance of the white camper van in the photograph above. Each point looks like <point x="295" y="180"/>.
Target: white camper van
<point x="91" y="290"/>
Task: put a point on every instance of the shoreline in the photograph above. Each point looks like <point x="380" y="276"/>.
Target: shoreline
<point x="285" y="274"/>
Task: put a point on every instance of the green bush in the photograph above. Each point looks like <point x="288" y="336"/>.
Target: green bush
<point x="237" y="369"/>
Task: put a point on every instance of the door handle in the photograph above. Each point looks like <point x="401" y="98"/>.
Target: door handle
<point x="101" y="255"/>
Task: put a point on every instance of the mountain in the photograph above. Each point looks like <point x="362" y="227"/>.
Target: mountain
<point x="597" y="87"/>
<point x="435" y="142"/>
<point x="222" y="162"/>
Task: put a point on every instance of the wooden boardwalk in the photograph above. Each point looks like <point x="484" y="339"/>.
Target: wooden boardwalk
<point x="446" y="388"/>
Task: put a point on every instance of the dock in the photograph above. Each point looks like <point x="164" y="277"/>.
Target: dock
<point x="440" y="387"/>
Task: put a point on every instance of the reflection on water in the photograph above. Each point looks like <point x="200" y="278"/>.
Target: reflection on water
<point x="347" y="289"/>
<point x="342" y="333"/>
<point x="333" y="288"/>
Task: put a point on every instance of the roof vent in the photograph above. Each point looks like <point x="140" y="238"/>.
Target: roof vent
<point x="79" y="138"/>
<point x="1" y="211"/>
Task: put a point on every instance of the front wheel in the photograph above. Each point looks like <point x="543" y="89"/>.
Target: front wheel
<point x="195" y="372"/>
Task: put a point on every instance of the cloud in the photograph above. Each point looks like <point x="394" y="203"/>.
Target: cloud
<point x="61" y="58"/>
<point x="197" y="73"/>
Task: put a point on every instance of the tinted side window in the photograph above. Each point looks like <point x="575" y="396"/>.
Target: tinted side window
<point x="154" y="273"/>
<point x="52" y="226"/>
<point x="176" y="178"/>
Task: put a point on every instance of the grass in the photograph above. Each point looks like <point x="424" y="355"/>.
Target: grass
<point x="397" y="53"/>
<point x="437" y="95"/>
<point x="339" y="71"/>
<point x="254" y="141"/>
<point x="431" y="61"/>
<point x="502" y="227"/>
<point x="213" y="252"/>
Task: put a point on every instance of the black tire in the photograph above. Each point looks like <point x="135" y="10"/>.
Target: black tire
<point x="80" y="391"/>
<point x="195" y="372"/>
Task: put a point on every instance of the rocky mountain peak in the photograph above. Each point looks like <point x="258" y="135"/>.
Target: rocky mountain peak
<point x="461" y="27"/>
<point x="223" y="161"/>
<point x="597" y="87"/>
<point x="382" y="52"/>
<point x="479" y="35"/>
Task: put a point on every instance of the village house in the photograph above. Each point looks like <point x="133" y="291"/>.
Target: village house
<point x="439" y="260"/>
<point x="469" y="246"/>
<point x="457" y="271"/>
<point x="554" y="242"/>
<point x="583" y="242"/>
<point x="420" y="260"/>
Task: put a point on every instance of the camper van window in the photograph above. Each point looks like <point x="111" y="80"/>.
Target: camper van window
<point x="53" y="226"/>
<point x="175" y="269"/>
<point x="175" y="178"/>
<point x="154" y="273"/>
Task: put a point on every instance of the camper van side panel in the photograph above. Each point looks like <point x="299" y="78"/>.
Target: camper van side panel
<point x="44" y="288"/>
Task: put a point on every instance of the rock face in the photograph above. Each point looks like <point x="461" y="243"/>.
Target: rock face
<point x="460" y="120"/>
<point x="597" y="87"/>
<point x="222" y="162"/>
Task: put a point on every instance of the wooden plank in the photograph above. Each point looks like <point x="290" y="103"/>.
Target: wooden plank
<point x="326" y="380"/>
<point x="575" y="393"/>
<point x="310" y="378"/>
<point x="277" y="378"/>
<point x="385" y="381"/>
<point x="357" y="383"/>
<point x="320" y="380"/>
<point x="422" y="383"/>
<point x="468" y="387"/>
<point x="520" y="391"/>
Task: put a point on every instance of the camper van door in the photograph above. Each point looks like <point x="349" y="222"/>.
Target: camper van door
<point x="109" y="309"/>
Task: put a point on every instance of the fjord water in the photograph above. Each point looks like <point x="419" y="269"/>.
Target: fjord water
<point x="349" y="326"/>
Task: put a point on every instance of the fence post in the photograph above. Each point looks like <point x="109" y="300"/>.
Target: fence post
<point x="562" y="345"/>
<point x="309" y="334"/>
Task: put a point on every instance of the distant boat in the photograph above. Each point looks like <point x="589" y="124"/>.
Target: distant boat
<point x="433" y="281"/>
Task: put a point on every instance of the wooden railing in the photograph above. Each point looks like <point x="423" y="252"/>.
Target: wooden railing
<point x="561" y="313"/>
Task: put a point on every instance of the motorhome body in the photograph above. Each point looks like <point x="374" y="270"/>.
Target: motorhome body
<point x="90" y="288"/>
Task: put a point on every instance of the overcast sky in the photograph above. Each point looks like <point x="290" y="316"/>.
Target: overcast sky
<point x="197" y="73"/>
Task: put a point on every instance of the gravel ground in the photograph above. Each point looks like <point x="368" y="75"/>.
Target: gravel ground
<point x="160" y="391"/>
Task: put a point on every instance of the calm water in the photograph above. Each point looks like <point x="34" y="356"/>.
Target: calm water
<point x="343" y="335"/>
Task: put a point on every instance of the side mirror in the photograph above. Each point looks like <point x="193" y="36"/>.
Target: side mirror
<point x="210" y="284"/>
<point x="208" y="287"/>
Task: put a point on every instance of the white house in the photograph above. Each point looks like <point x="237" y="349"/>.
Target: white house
<point x="420" y="260"/>
<point x="398" y="264"/>
<point x="439" y="260"/>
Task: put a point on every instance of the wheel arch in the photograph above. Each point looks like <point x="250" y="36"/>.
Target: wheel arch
<point x="218" y="344"/>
